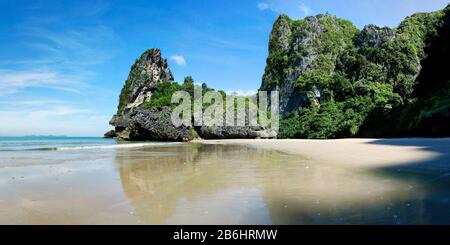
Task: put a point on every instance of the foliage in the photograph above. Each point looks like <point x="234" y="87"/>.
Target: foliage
<point x="398" y="86"/>
<point x="135" y="75"/>
<point x="162" y="95"/>
<point x="127" y="86"/>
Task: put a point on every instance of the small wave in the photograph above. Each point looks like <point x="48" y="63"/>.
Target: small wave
<point x="44" y="149"/>
<point x="30" y="149"/>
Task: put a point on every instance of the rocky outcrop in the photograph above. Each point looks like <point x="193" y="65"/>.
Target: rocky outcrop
<point x="299" y="47"/>
<point x="228" y="132"/>
<point x="222" y="131"/>
<point x="132" y="121"/>
<point x="373" y="36"/>
<point x="137" y="121"/>
<point x="149" y="69"/>
<point x="150" y="124"/>
<point x="110" y="134"/>
<point x="306" y="55"/>
<point x="337" y="81"/>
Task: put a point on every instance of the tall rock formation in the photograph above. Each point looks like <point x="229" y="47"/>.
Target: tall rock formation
<point x="340" y="81"/>
<point x="149" y="69"/>
<point x="144" y="111"/>
<point x="132" y="121"/>
<point x="298" y="48"/>
<point x="334" y="81"/>
<point x="305" y="55"/>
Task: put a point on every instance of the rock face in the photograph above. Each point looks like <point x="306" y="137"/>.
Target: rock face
<point x="229" y="132"/>
<point x="135" y="122"/>
<point x="132" y="122"/>
<point x="336" y="81"/>
<point x="150" y="124"/>
<point x="149" y="69"/>
<point x="374" y="36"/>
<point x="110" y="134"/>
<point x="298" y="47"/>
<point x="306" y="55"/>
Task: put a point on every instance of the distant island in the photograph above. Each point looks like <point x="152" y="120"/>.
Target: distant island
<point x="335" y="81"/>
<point x="37" y="136"/>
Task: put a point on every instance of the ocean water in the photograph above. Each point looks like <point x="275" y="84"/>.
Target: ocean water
<point x="46" y="143"/>
<point x="37" y="150"/>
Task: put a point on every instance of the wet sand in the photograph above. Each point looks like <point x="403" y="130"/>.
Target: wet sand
<point x="233" y="182"/>
<point x="360" y="153"/>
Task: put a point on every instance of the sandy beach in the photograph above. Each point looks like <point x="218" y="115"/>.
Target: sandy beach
<point x="362" y="153"/>
<point x="351" y="181"/>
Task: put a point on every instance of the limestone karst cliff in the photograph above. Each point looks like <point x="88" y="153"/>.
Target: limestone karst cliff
<point x="132" y="121"/>
<point x="149" y="69"/>
<point x="337" y="81"/>
<point x="145" y="108"/>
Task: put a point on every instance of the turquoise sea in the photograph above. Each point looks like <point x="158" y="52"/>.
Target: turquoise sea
<point x="42" y="143"/>
<point x="48" y="150"/>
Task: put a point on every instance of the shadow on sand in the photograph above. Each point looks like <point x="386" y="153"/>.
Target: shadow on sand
<point x="431" y="176"/>
<point x="176" y="185"/>
<point x="424" y="199"/>
<point x="432" y="170"/>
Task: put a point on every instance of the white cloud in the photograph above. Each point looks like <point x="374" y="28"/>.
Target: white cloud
<point x="81" y="47"/>
<point x="263" y="6"/>
<point x="180" y="60"/>
<point x="51" y="119"/>
<point x="65" y="61"/>
<point x="305" y="9"/>
<point x="60" y="60"/>
<point x="12" y="81"/>
<point x="32" y="102"/>
<point x="55" y="111"/>
<point x="47" y="116"/>
<point x="293" y="8"/>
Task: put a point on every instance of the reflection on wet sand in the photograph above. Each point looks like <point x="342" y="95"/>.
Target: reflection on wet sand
<point x="234" y="184"/>
<point x="217" y="183"/>
<point x="195" y="177"/>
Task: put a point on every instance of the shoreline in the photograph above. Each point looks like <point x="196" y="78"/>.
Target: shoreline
<point x="261" y="181"/>
<point x="360" y="153"/>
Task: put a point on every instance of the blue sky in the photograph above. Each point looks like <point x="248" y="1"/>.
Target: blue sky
<point x="63" y="63"/>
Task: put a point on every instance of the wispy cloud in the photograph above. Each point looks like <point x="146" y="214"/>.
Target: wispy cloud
<point x="62" y="60"/>
<point x="54" y="111"/>
<point x="305" y="9"/>
<point x="56" y="119"/>
<point x="23" y="117"/>
<point x="32" y="102"/>
<point x="263" y="6"/>
<point x="12" y="81"/>
<point x="80" y="47"/>
<point x="294" y="8"/>
<point x="39" y="109"/>
<point x="179" y="59"/>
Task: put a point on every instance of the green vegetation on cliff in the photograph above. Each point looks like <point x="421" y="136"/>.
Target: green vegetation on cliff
<point x="145" y="73"/>
<point x="335" y="81"/>
<point x="162" y="95"/>
<point x="378" y="82"/>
